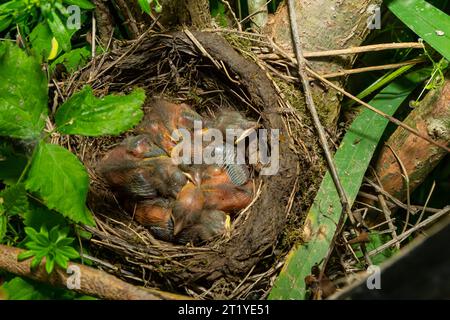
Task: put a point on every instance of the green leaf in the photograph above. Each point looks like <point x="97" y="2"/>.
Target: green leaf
<point x="145" y="6"/>
<point x="39" y="216"/>
<point x="23" y="94"/>
<point x="72" y="60"/>
<point x="15" y="200"/>
<point x="376" y="241"/>
<point x="61" y="180"/>
<point x="83" y="4"/>
<point x="12" y="162"/>
<point x="41" y="40"/>
<point x="5" y="21"/>
<point x="37" y="260"/>
<point x="69" y="252"/>
<point x="351" y="159"/>
<point x="25" y="255"/>
<point x="49" y="265"/>
<point x="84" y="114"/>
<point x="21" y="289"/>
<point x="31" y="233"/>
<point x="59" y="31"/>
<point x="430" y="23"/>
<point x="61" y="261"/>
<point x="24" y="289"/>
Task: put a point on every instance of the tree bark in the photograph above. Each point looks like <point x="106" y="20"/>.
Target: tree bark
<point x="325" y="25"/>
<point x="419" y="157"/>
<point x="105" y="23"/>
<point x="194" y="13"/>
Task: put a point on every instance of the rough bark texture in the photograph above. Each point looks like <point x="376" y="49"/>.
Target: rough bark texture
<point x="325" y="25"/>
<point x="105" y="23"/>
<point x="419" y="157"/>
<point x="185" y="12"/>
<point x="93" y="282"/>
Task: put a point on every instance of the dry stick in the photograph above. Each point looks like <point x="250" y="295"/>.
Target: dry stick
<point x="381" y="113"/>
<point x="373" y="68"/>
<point x="321" y="132"/>
<point x="387" y="214"/>
<point x="93" y="282"/>
<point x="260" y="9"/>
<point x="226" y="3"/>
<point x="369" y="48"/>
<point x="426" y="203"/>
<point x="392" y="204"/>
<point x="201" y="48"/>
<point x="406" y="177"/>
<point x="405" y="235"/>
<point x="94" y="31"/>
<point x="132" y="47"/>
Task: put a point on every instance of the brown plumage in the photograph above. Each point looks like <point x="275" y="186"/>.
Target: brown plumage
<point x="203" y="226"/>
<point x="163" y="118"/>
<point x="139" y="169"/>
<point x="156" y="215"/>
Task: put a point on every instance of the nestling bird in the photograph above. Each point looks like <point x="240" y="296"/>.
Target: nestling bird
<point x="227" y="196"/>
<point x="231" y="119"/>
<point x="189" y="201"/>
<point x="203" y="226"/>
<point x="156" y="215"/>
<point x="139" y="169"/>
<point x="163" y="118"/>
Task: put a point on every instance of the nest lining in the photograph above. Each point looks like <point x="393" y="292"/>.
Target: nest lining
<point x="205" y="71"/>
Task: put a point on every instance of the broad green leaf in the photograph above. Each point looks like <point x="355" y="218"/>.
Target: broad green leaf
<point x="62" y="261"/>
<point x="430" y="23"/>
<point x="39" y="216"/>
<point x="15" y="200"/>
<point x="351" y="159"/>
<point x="24" y="289"/>
<point x="73" y="59"/>
<point x="21" y="289"/>
<point x="12" y="162"/>
<point x="69" y="252"/>
<point x="377" y="240"/>
<point x="145" y="5"/>
<point x="49" y="264"/>
<point x="61" y="180"/>
<point x="23" y="94"/>
<point x="5" y="21"/>
<point x="83" y="4"/>
<point x="59" y="31"/>
<point x="25" y="255"/>
<point x="41" y="40"/>
<point x="85" y="114"/>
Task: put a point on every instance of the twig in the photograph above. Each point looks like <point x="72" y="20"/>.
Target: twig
<point x="373" y="68"/>
<point x="93" y="47"/>
<point x="201" y="48"/>
<point x="406" y="177"/>
<point x="369" y="48"/>
<point x="387" y="215"/>
<point x="260" y="10"/>
<point x="125" y="54"/>
<point x="321" y="132"/>
<point x="426" y="203"/>
<point x="227" y="4"/>
<point x="381" y="113"/>
<point x="410" y="231"/>
<point x="415" y="208"/>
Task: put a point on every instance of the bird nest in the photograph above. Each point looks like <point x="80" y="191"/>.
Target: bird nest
<point x="210" y="74"/>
